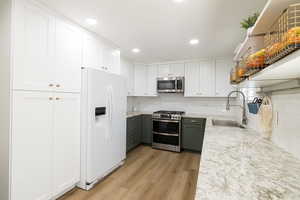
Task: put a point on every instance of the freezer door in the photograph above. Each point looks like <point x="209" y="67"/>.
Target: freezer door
<point x="106" y="136"/>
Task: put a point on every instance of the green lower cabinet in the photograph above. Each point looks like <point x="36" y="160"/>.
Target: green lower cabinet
<point x="139" y="130"/>
<point x="147" y="129"/>
<point x="134" y="132"/>
<point x="193" y="133"/>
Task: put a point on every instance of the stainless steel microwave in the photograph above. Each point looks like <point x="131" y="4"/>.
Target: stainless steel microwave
<point x="170" y="85"/>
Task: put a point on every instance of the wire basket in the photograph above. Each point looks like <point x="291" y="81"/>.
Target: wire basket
<point x="252" y="62"/>
<point x="233" y="76"/>
<point x="283" y="37"/>
<point x="254" y="105"/>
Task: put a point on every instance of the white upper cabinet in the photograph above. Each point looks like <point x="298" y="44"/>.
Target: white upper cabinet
<point x="145" y="80"/>
<point x="192" y="79"/>
<point x="111" y="59"/>
<point x="98" y="54"/>
<point x="207" y="79"/>
<point x="177" y="69"/>
<point x="152" y="80"/>
<point x="92" y="52"/>
<point x="164" y="70"/>
<point x="33" y="67"/>
<point x="47" y="51"/>
<point x="68" y="51"/>
<point x="127" y="70"/>
<point x="140" y="80"/>
<point x="172" y="69"/>
<point x="223" y="86"/>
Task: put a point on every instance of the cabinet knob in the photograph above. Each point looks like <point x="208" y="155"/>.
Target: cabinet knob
<point x="51" y="85"/>
<point x="57" y="85"/>
<point x="50" y="98"/>
<point x="57" y="98"/>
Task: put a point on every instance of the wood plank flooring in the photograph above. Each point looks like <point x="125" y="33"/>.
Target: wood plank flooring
<point x="147" y="174"/>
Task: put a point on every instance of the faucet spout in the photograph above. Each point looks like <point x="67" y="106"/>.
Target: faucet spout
<point x="245" y="119"/>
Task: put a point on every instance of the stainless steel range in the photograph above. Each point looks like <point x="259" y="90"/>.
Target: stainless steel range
<point x="167" y="130"/>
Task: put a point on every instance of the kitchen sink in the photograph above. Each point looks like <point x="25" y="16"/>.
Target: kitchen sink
<point x="227" y="123"/>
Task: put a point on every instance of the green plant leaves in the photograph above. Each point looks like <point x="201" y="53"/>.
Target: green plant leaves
<point x="250" y="21"/>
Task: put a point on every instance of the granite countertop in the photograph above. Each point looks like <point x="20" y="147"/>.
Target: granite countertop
<point x="187" y="115"/>
<point x="133" y="114"/>
<point x="238" y="164"/>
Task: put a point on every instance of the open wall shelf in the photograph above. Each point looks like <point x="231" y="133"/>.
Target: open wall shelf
<point x="285" y="70"/>
<point x="270" y="13"/>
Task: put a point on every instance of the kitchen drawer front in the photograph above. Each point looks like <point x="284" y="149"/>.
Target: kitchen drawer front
<point x="196" y="121"/>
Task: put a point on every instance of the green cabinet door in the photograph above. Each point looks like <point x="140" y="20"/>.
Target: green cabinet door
<point x="147" y="129"/>
<point x="129" y="134"/>
<point x="133" y="132"/>
<point x="193" y="133"/>
<point x="138" y="131"/>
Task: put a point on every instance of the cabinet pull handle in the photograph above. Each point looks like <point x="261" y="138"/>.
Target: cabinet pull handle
<point x="51" y="85"/>
<point x="57" y="98"/>
<point x="57" y="85"/>
<point x="50" y="98"/>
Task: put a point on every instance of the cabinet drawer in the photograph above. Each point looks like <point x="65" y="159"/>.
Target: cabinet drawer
<point x="196" y="121"/>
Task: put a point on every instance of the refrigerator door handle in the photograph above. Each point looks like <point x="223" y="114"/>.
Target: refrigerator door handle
<point x="110" y="93"/>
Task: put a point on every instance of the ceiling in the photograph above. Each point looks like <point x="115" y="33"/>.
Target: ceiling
<point x="161" y="29"/>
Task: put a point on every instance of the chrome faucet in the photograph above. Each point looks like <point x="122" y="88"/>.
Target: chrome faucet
<point x="245" y="119"/>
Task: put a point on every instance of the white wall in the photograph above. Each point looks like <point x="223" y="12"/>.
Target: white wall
<point x="206" y="106"/>
<point x="286" y="129"/>
<point x="5" y="23"/>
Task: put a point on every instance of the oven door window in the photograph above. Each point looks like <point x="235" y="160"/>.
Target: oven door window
<point x="166" y="85"/>
<point x="163" y="139"/>
<point x="166" y="126"/>
<point x="180" y="84"/>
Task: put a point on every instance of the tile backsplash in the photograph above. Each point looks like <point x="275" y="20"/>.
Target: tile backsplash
<point x="212" y="106"/>
<point x="286" y="118"/>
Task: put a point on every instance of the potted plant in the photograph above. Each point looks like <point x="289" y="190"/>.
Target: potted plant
<point x="249" y="22"/>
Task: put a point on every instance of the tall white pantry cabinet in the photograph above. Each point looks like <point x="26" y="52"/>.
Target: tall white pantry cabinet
<point x="40" y="106"/>
<point x="46" y="81"/>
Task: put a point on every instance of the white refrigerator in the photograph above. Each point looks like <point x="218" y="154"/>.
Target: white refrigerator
<point x="103" y="125"/>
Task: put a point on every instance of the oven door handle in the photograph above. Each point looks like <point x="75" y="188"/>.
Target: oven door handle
<point x="166" y="134"/>
<point x="163" y="120"/>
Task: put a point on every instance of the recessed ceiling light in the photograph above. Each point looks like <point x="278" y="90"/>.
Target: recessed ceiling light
<point x="178" y="1"/>
<point x="91" y="21"/>
<point x="136" y="50"/>
<point x="194" y="41"/>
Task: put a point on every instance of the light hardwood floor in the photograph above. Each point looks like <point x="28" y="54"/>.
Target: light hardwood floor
<point x="147" y="174"/>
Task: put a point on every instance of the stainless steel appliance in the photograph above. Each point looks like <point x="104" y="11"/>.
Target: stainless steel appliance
<point x="167" y="130"/>
<point x="170" y="85"/>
